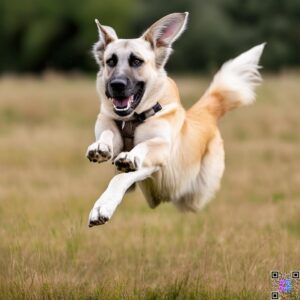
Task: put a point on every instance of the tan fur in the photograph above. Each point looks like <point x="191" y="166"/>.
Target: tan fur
<point x="192" y="132"/>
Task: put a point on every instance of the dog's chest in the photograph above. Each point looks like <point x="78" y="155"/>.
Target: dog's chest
<point x="127" y="128"/>
<point x="127" y="131"/>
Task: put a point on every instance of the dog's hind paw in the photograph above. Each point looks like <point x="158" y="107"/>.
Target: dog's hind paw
<point x="125" y="162"/>
<point x="99" y="152"/>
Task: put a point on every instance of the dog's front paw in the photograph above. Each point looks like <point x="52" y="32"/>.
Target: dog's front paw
<point x="126" y="162"/>
<point x="98" y="216"/>
<point x="99" y="152"/>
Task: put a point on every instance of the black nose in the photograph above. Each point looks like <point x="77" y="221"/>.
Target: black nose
<point x="118" y="84"/>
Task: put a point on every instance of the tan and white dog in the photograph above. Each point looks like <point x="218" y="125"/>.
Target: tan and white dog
<point x="175" y="155"/>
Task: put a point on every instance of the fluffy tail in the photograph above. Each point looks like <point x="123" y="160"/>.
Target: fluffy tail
<point x="234" y="84"/>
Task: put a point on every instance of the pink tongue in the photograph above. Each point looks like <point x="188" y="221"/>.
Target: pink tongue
<point x="121" y="102"/>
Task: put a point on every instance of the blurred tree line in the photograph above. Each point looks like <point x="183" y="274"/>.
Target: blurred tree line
<point x="58" y="34"/>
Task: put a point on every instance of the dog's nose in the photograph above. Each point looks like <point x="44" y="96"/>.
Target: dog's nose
<point x="118" y="84"/>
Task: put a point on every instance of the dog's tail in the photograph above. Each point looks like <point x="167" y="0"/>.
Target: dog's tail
<point x="234" y="84"/>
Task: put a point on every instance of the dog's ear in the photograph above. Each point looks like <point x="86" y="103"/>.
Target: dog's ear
<point x="163" y="33"/>
<point x="106" y="35"/>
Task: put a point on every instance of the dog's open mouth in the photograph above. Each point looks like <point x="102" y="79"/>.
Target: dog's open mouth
<point x="125" y="106"/>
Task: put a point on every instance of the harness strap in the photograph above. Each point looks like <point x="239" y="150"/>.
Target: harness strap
<point x="148" y="113"/>
<point x="127" y="128"/>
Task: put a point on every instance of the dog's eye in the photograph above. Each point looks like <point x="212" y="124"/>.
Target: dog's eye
<point x="135" y="62"/>
<point x="112" y="62"/>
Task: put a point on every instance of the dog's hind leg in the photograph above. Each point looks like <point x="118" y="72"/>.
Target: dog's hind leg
<point x="207" y="182"/>
<point x="105" y="206"/>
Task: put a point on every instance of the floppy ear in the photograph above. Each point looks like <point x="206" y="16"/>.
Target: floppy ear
<point x="106" y="35"/>
<point x="163" y="33"/>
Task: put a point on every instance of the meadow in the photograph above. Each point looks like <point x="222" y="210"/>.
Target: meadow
<point x="226" y="251"/>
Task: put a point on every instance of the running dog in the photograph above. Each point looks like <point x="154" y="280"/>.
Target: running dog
<point x="174" y="154"/>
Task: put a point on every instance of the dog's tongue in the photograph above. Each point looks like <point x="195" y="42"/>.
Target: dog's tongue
<point x="121" y="103"/>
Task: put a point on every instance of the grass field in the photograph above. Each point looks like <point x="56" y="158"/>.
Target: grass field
<point x="47" y="188"/>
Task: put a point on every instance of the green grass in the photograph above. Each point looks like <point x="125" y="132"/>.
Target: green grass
<point x="47" y="188"/>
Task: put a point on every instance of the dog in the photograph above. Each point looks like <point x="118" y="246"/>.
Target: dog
<point x="175" y="155"/>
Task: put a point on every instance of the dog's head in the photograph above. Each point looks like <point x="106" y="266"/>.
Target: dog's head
<point x="131" y="70"/>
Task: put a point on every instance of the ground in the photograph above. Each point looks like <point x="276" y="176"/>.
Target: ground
<point x="48" y="186"/>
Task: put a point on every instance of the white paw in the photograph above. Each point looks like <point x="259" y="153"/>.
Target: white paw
<point x="126" y="162"/>
<point x="99" y="152"/>
<point x="99" y="215"/>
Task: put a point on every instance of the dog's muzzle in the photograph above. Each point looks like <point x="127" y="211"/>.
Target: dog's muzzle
<point x="124" y="94"/>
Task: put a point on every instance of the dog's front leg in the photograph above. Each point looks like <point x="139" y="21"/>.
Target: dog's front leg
<point x="105" y="206"/>
<point x="108" y="141"/>
<point x="151" y="153"/>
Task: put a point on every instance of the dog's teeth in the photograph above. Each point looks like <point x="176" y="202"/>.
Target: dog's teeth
<point x="130" y="101"/>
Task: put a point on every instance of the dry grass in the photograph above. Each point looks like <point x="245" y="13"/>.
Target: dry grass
<point x="47" y="188"/>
